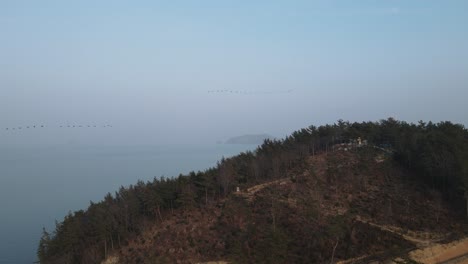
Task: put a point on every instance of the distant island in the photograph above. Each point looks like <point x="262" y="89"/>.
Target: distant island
<point x="249" y="139"/>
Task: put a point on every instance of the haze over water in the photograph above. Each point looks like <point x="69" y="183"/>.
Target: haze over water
<point x="41" y="184"/>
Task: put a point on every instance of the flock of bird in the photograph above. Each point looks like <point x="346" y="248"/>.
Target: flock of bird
<point x="248" y="92"/>
<point x="225" y="91"/>
<point x="61" y="126"/>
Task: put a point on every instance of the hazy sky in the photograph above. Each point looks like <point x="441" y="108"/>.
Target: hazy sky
<point x="145" y="67"/>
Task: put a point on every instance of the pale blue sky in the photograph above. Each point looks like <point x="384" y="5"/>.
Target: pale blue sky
<point x="146" y="66"/>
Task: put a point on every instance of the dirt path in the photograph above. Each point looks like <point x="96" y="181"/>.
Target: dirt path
<point x="421" y="239"/>
<point x="430" y="251"/>
<point x="458" y="260"/>
<point x="250" y="192"/>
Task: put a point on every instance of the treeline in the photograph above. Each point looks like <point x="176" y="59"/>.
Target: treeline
<point x="437" y="153"/>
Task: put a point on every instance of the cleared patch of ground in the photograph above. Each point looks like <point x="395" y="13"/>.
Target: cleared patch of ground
<point x="442" y="253"/>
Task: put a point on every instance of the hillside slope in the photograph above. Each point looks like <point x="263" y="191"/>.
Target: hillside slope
<point x="340" y="205"/>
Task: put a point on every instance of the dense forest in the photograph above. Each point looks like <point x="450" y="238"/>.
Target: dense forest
<point x="437" y="154"/>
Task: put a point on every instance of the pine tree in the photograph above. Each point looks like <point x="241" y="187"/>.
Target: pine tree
<point x="44" y="244"/>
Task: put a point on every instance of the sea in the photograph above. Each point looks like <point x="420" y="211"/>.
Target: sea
<point x="41" y="184"/>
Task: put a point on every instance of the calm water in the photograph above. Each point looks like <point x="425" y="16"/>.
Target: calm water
<point x="41" y="184"/>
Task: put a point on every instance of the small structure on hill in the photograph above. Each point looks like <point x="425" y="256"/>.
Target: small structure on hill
<point x="353" y="143"/>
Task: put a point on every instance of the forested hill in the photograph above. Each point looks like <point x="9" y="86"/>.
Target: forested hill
<point x="398" y="165"/>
